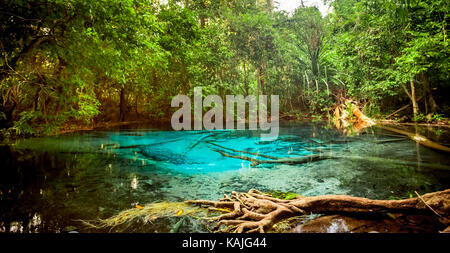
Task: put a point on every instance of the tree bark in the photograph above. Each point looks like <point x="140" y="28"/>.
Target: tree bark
<point x="36" y="99"/>
<point x="136" y="105"/>
<point x="122" y="105"/>
<point x="245" y="80"/>
<point x="428" y="94"/>
<point x="260" y="80"/>
<point x="413" y="99"/>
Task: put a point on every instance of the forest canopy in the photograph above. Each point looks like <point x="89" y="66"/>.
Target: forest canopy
<point x="82" y="62"/>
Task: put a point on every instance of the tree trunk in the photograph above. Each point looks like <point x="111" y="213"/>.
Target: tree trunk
<point x="136" y="105"/>
<point x="428" y="94"/>
<point x="245" y="80"/>
<point x="260" y="80"/>
<point x="269" y="6"/>
<point x="36" y="99"/>
<point x="202" y="22"/>
<point x="413" y="99"/>
<point x="122" y="105"/>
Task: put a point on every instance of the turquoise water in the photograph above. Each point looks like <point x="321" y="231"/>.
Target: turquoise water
<point x="49" y="183"/>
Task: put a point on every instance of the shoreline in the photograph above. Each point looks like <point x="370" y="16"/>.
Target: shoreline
<point x="72" y="128"/>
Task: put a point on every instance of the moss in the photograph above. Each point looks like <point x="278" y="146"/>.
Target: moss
<point x="149" y="213"/>
<point x="283" y="195"/>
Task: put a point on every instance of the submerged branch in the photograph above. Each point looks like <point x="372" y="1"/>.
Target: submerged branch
<point x="330" y="155"/>
<point x="244" y="152"/>
<point x="290" y="160"/>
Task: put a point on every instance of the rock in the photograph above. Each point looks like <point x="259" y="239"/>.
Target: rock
<point x="369" y="224"/>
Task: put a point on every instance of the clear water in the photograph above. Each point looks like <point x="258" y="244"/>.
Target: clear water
<point x="49" y="183"/>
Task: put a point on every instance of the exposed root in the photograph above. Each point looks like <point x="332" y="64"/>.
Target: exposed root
<point x="258" y="212"/>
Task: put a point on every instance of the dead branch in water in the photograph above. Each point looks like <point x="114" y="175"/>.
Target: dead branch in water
<point x="244" y="152"/>
<point x="328" y="155"/>
<point x="291" y="160"/>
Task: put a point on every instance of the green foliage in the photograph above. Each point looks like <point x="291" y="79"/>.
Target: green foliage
<point x="349" y="107"/>
<point x="437" y="117"/>
<point x="86" y="61"/>
<point x="379" y="46"/>
<point x="420" y="117"/>
<point x="24" y="125"/>
<point x="318" y="102"/>
<point x="87" y="107"/>
<point x="316" y="118"/>
<point x="283" y="195"/>
<point x="372" y="110"/>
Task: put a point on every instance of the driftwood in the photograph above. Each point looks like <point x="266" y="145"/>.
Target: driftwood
<point x="257" y="212"/>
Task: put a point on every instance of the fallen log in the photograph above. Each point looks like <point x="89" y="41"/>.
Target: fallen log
<point x="257" y="212"/>
<point x="244" y="152"/>
<point x="389" y="140"/>
<point x="362" y="121"/>
<point x="292" y="160"/>
<point x="417" y="138"/>
<point x="330" y="155"/>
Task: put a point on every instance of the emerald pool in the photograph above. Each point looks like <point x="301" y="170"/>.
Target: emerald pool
<point x="48" y="184"/>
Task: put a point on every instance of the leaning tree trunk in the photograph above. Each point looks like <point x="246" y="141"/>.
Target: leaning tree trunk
<point x="413" y="99"/>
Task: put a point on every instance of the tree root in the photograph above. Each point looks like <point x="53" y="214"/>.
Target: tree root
<point x="257" y="212"/>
